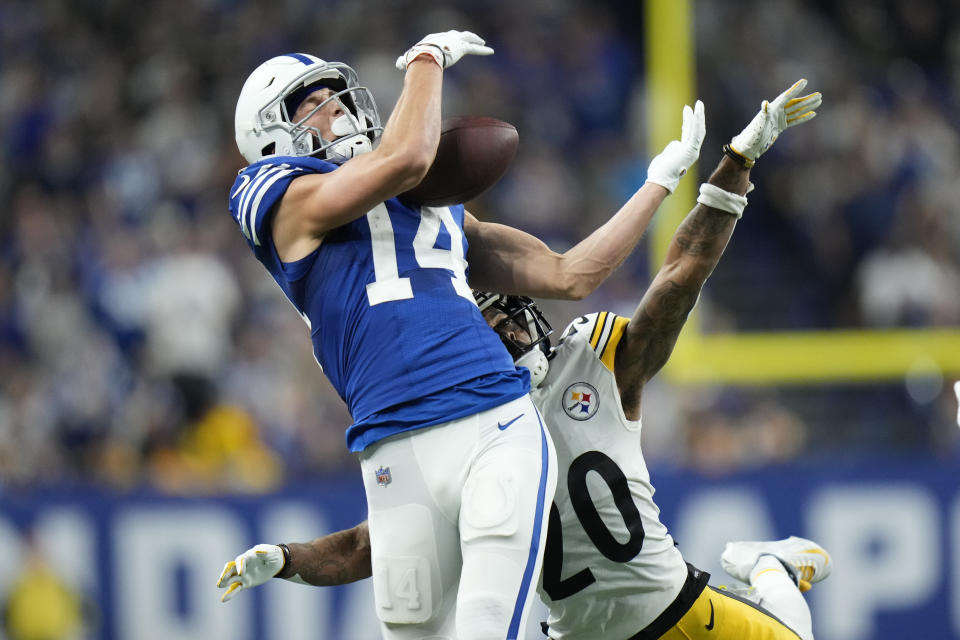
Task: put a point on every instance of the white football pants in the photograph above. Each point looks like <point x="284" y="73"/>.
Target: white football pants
<point x="458" y="520"/>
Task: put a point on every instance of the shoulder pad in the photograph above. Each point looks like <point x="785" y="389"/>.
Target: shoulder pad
<point x="601" y="331"/>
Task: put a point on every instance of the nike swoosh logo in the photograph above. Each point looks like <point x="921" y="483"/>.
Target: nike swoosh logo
<point x="709" y="627"/>
<point x="502" y="426"/>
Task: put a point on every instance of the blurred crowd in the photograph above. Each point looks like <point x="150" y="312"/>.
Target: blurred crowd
<point x="142" y="344"/>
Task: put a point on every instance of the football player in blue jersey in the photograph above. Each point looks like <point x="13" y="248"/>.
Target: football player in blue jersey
<point x="457" y="467"/>
<point x="611" y="569"/>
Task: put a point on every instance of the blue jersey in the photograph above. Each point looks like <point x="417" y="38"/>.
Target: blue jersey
<point x="393" y="322"/>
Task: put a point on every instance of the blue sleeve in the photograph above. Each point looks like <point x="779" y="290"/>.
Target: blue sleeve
<point x="260" y="187"/>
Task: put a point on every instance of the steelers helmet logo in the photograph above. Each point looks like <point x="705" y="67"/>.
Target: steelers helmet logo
<point x="580" y="401"/>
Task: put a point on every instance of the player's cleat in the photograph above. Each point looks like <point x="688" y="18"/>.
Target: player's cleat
<point x="804" y="560"/>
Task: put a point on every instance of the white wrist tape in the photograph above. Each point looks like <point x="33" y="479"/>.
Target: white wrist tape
<point x="714" y="196"/>
<point x="433" y="50"/>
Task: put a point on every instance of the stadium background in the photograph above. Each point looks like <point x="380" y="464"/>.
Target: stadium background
<point x="159" y="407"/>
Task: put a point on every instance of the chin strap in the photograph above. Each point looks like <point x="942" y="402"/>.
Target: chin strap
<point x="536" y="361"/>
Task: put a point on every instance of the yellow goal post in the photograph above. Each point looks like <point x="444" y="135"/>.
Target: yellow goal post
<point x="760" y="358"/>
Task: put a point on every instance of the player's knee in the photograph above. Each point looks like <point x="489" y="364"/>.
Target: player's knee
<point x="484" y="616"/>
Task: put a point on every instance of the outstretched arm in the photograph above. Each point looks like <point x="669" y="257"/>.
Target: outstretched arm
<point x="334" y="559"/>
<point x="693" y="253"/>
<point x="697" y="246"/>
<point x="316" y="203"/>
<point x="508" y="260"/>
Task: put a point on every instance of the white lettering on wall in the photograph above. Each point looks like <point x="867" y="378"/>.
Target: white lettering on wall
<point x="884" y="541"/>
<point x="151" y="545"/>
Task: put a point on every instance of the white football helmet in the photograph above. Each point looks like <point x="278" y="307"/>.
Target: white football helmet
<point x="271" y="95"/>
<point x="534" y="355"/>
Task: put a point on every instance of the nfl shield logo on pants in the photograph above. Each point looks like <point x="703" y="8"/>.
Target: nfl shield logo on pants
<point x="383" y="476"/>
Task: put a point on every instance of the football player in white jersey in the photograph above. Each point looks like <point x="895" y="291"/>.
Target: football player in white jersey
<point x="610" y="568"/>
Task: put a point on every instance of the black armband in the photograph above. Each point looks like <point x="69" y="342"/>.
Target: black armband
<point x="743" y="161"/>
<point x="286" y="559"/>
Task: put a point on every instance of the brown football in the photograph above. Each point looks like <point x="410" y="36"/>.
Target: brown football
<point x="474" y="153"/>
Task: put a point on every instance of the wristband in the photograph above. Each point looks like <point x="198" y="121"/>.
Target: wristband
<point x="717" y="198"/>
<point x="424" y="48"/>
<point x="286" y="559"/>
<point x="286" y="565"/>
<point x="740" y="159"/>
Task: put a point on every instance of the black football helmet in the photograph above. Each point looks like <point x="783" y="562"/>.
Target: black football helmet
<point x="522" y="311"/>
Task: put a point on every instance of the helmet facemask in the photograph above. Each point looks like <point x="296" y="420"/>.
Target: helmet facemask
<point x="354" y="131"/>
<point x="271" y="95"/>
<point x="521" y="312"/>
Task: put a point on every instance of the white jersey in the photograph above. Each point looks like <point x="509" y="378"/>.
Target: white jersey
<point x="611" y="567"/>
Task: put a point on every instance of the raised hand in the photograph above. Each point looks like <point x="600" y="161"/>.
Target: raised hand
<point x="446" y="48"/>
<point x="773" y="119"/>
<point x="672" y="163"/>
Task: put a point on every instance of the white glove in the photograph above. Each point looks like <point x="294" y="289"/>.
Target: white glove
<point x="667" y="168"/>
<point x="774" y="117"/>
<point x="446" y="48"/>
<point x="251" y="568"/>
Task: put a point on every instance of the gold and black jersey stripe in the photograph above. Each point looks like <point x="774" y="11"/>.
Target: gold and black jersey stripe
<point x="605" y="336"/>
